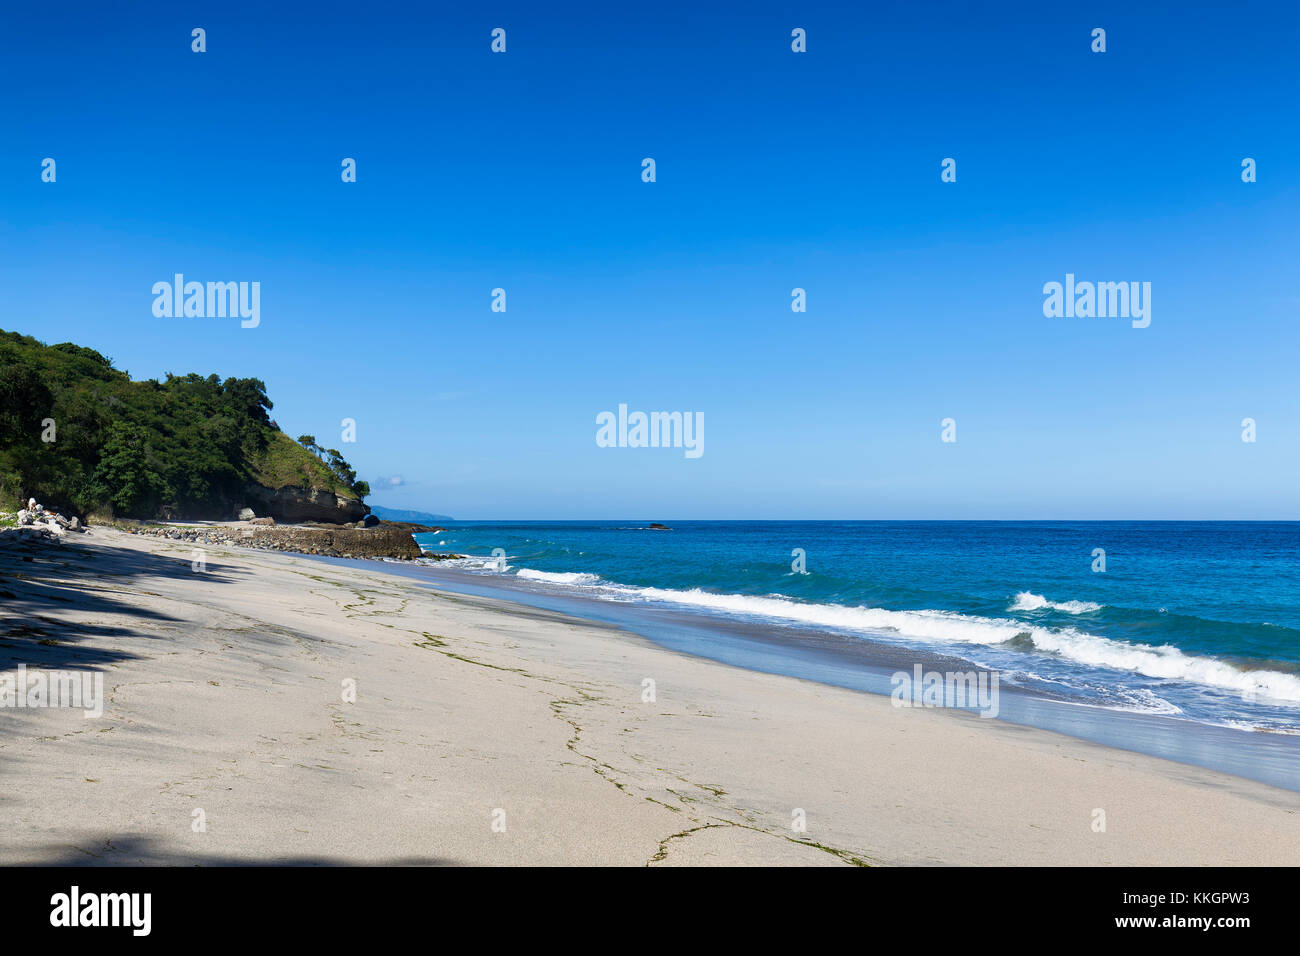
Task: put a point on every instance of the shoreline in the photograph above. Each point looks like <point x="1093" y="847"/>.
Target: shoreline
<point x="863" y="665"/>
<point x="224" y="696"/>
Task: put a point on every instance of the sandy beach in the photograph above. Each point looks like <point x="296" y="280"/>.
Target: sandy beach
<point x="489" y="733"/>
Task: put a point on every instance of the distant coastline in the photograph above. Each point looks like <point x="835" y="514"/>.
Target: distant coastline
<point x="409" y="517"/>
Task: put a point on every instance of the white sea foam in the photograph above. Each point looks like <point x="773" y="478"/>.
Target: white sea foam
<point x="1029" y="601"/>
<point x="1143" y="701"/>
<point x="573" y="577"/>
<point x="1166" y="661"/>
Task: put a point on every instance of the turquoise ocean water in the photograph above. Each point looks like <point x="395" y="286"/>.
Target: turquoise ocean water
<point x="1196" y="620"/>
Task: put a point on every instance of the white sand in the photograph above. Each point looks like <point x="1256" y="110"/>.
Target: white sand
<point x="225" y="695"/>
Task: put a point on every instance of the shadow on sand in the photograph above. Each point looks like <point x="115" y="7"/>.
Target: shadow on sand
<point x="40" y="582"/>
<point x="140" y="850"/>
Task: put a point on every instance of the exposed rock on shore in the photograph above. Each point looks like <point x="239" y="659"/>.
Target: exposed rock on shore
<point x="382" y="541"/>
<point x="39" y="521"/>
<point x="288" y="505"/>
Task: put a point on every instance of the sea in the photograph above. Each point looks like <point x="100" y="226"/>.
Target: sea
<point x="1180" y="639"/>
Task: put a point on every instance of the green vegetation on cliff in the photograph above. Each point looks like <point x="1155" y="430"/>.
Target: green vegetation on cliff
<point x="76" y="432"/>
<point x="284" y="463"/>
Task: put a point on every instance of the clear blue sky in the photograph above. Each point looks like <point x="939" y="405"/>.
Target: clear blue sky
<point x="775" y="170"/>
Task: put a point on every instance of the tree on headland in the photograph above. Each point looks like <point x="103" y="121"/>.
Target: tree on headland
<point x="189" y="445"/>
<point x="333" y="459"/>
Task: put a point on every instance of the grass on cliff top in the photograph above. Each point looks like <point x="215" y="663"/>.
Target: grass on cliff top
<point x="286" y="464"/>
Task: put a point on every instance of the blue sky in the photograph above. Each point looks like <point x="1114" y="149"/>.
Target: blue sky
<point x="775" y="170"/>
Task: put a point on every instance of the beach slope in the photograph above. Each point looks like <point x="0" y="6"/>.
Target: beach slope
<point x="271" y="709"/>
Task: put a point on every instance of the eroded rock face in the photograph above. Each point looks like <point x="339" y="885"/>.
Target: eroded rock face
<point x="291" y="505"/>
<point x="382" y="541"/>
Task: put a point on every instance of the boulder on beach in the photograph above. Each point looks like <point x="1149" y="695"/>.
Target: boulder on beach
<point x="38" y="516"/>
<point x="247" y="514"/>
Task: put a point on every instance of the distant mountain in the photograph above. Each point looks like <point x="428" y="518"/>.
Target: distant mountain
<point x="415" y="517"/>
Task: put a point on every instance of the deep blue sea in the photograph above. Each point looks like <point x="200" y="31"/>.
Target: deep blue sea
<point x="1199" y="620"/>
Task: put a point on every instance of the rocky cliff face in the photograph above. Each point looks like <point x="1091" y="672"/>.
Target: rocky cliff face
<point x="296" y="504"/>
